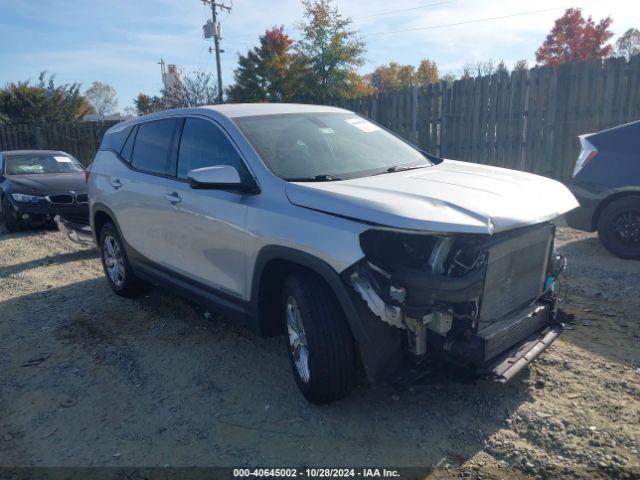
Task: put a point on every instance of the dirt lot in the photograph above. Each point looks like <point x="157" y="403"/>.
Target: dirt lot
<point x="87" y="378"/>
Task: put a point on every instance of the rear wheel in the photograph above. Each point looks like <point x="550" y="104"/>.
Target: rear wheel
<point x="116" y="265"/>
<point x="619" y="227"/>
<point x="9" y="218"/>
<point x="321" y="348"/>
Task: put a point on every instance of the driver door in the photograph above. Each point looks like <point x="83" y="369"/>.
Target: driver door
<point x="206" y="228"/>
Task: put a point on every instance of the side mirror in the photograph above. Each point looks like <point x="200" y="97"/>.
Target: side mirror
<point x="216" y="177"/>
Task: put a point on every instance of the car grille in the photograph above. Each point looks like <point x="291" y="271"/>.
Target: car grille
<point x="60" y="199"/>
<point x="82" y="198"/>
<point x="516" y="271"/>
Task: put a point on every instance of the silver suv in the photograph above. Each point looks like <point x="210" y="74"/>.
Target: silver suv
<point x="313" y="222"/>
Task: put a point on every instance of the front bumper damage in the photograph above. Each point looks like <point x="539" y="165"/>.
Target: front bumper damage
<point x="485" y="302"/>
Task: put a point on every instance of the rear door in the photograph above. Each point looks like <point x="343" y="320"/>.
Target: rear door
<point x="140" y="199"/>
<point x="204" y="230"/>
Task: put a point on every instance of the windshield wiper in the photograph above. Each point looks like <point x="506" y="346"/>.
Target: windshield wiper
<point x="317" y="178"/>
<point x="400" y="168"/>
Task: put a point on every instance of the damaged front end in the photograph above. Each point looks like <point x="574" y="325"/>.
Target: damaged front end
<point x="485" y="301"/>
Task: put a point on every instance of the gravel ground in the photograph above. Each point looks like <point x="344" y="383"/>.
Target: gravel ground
<point x="90" y="379"/>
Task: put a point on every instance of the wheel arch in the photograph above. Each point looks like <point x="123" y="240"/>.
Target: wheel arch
<point x="272" y="265"/>
<point x="608" y="201"/>
<point x="100" y="215"/>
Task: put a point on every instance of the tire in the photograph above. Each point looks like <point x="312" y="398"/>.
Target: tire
<point x="619" y="227"/>
<point x="116" y="265"/>
<point x="10" y="220"/>
<point x="331" y="351"/>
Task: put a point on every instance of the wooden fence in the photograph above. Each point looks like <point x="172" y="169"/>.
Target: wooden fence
<point x="80" y="139"/>
<point x="527" y="120"/>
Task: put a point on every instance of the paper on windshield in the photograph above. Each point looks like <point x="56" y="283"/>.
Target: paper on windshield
<point x="61" y="159"/>
<point x="362" y="125"/>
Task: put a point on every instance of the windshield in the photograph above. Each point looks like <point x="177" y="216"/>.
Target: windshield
<point x="38" y="163"/>
<point x="326" y="146"/>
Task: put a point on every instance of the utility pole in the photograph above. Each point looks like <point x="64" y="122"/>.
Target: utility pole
<point x="212" y="29"/>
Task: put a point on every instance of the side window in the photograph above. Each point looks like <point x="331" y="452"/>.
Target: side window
<point x="153" y="151"/>
<point x="203" y="144"/>
<point x="113" y="140"/>
<point x="127" y="150"/>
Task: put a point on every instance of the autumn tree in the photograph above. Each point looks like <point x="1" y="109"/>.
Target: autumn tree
<point x="43" y="102"/>
<point x="330" y="52"/>
<point x="268" y="72"/>
<point x="574" y="38"/>
<point x="427" y="73"/>
<point x="102" y="97"/>
<point x="395" y="75"/>
<point x="628" y="44"/>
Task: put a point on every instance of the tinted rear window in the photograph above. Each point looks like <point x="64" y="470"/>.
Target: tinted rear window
<point x="153" y="151"/>
<point x="115" y="140"/>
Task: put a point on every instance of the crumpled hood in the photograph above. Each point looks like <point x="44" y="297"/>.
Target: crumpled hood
<point x="453" y="196"/>
<point x="49" y="183"/>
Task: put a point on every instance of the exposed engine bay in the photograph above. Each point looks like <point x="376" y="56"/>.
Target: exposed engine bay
<point x="472" y="297"/>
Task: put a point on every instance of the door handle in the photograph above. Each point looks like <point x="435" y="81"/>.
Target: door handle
<point x="115" y="183"/>
<point x="173" y="198"/>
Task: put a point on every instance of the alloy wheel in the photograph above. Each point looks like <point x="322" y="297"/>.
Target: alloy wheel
<point x="113" y="260"/>
<point x="297" y="340"/>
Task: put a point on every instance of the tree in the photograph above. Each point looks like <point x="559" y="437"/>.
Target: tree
<point x="521" y="65"/>
<point x="481" y="68"/>
<point x="268" y="72"/>
<point x="427" y="73"/>
<point x="501" y="67"/>
<point x="44" y="102"/>
<point x="330" y="52"/>
<point x="145" y="104"/>
<point x="395" y="75"/>
<point x="628" y="44"/>
<point x="102" y="97"/>
<point x="573" y="39"/>
<point x="448" y="78"/>
<point x="194" y="90"/>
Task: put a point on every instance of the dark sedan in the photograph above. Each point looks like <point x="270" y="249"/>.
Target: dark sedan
<point x="36" y="185"/>
<point x="606" y="182"/>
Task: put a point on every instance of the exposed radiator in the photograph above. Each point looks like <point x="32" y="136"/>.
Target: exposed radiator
<point x="516" y="271"/>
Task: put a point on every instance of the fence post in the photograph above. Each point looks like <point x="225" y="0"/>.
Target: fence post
<point x="414" y="115"/>
<point x="39" y="137"/>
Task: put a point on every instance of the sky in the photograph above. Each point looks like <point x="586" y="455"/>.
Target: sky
<point x="120" y="42"/>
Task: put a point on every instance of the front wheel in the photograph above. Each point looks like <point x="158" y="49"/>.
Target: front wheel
<point x="321" y="348"/>
<point x="9" y="218"/>
<point x="619" y="227"/>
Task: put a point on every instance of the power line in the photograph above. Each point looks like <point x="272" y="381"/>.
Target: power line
<point x="391" y="12"/>
<point x="357" y="19"/>
<point x="430" y="27"/>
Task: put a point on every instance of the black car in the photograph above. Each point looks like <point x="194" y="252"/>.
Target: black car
<point x="606" y="182"/>
<point x="36" y="185"/>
